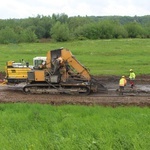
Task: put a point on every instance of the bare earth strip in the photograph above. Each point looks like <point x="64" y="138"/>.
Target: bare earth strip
<point x="18" y="96"/>
<point x="12" y="95"/>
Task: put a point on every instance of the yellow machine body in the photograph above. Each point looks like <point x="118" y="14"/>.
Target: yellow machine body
<point x="72" y="61"/>
<point x="15" y="72"/>
<point x="39" y="75"/>
<point x="18" y="73"/>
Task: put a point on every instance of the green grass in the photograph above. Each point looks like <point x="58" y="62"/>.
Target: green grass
<point x="102" y="57"/>
<point x="45" y="127"/>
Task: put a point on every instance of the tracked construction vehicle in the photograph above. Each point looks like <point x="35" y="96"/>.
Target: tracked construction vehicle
<point x="62" y="73"/>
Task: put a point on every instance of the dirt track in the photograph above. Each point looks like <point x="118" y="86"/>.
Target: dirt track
<point x="16" y="95"/>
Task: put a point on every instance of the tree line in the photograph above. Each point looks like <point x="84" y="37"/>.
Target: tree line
<point x="60" y="27"/>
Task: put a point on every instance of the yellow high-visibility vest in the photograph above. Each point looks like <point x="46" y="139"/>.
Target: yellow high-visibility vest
<point x="122" y="82"/>
<point x="132" y="76"/>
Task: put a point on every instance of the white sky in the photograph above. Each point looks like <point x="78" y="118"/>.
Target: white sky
<point x="31" y="8"/>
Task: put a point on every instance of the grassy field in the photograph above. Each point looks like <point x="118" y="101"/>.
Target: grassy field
<point x="102" y="57"/>
<point x="45" y="127"/>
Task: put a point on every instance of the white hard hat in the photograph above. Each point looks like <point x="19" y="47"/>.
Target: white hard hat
<point x="131" y="70"/>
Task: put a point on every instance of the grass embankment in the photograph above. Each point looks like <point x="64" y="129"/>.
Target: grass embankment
<point x="36" y="127"/>
<point x="102" y="57"/>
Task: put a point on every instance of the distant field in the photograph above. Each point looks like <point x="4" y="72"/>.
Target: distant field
<point x="102" y="57"/>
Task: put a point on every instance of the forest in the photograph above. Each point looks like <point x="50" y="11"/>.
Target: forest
<point x="60" y="27"/>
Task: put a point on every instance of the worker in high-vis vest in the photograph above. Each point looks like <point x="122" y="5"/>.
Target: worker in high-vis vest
<point x="122" y="83"/>
<point x="132" y="78"/>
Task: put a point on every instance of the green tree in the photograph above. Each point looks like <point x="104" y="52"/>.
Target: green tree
<point x="46" y="23"/>
<point x="62" y="18"/>
<point x="27" y="35"/>
<point x="147" y="30"/>
<point x="118" y="30"/>
<point x="134" y="30"/>
<point x="89" y="31"/>
<point x="105" y="29"/>
<point x="7" y="35"/>
<point x="60" y="32"/>
<point x="91" y="27"/>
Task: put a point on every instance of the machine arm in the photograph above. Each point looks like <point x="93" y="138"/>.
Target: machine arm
<point x="75" y="64"/>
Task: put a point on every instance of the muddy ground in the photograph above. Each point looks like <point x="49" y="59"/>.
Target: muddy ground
<point x="14" y="94"/>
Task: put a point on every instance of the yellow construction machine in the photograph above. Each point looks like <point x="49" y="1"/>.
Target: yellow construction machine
<point x="62" y="73"/>
<point x="16" y="72"/>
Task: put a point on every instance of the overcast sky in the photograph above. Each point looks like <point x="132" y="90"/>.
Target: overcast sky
<point x="31" y="8"/>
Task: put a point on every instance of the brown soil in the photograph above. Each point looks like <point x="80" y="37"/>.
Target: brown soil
<point x="13" y="95"/>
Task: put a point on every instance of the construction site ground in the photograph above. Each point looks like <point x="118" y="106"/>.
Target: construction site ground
<point x="14" y="94"/>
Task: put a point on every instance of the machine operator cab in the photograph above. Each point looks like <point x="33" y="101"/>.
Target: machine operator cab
<point x="37" y="61"/>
